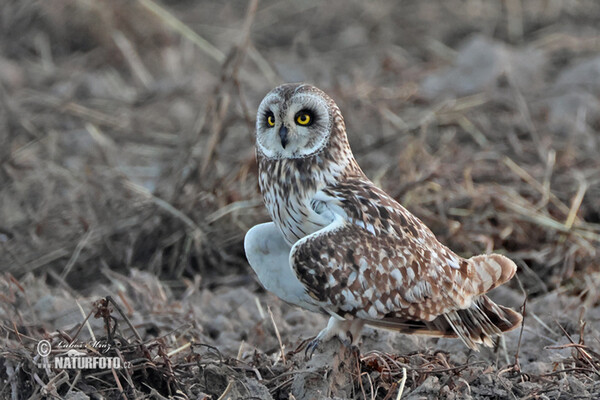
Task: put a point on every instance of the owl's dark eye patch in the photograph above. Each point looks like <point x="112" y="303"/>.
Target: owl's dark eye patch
<point x="270" y="118"/>
<point x="304" y="117"/>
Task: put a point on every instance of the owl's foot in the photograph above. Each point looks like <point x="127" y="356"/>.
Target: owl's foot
<point x="345" y="330"/>
<point x="311" y="347"/>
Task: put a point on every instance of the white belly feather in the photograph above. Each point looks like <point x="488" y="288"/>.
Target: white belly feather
<point x="268" y="254"/>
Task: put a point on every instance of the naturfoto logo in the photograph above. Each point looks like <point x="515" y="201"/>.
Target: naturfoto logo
<point x="73" y="358"/>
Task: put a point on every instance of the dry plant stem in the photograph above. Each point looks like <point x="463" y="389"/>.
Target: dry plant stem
<point x="121" y="390"/>
<point x="528" y="213"/>
<point x="168" y="207"/>
<point x="247" y="116"/>
<point x="90" y="114"/>
<point x="179" y="349"/>
<point x="133" y="59"/>
<point x="362" y="388"/>
<point x="402" y="383"/>
<point x="122" y="226"/>
<point x="370" y="384"/>
<point x="583" y="354"/>
<point x="226" y="391"/>
<point x="562" y="371"/>
<point x="536" y="185"/>
<point x="524" y="313"/>
<point x="125" y="318"/>
<point x="457" y="368"/>
<point x="179" y="27"/>
<point x="62" y="283"/>
<point x="277" y="334"/>
<point x="526" y="115"/>
<point x="86" y="320"/>
<point x="124" y="368"/>
<point x="84" y="323"/>
<point x="80" y="245"/>
<point x="261" y="312"/>
<point x="576" y="204"/>
<point x="72" y="385"/>
<point x="232" y="208"/>
<point x="231" y="68"/>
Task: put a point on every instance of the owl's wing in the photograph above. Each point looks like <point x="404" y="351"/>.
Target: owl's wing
<point x="378" y="262"/>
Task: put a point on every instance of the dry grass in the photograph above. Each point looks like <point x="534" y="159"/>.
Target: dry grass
<point x="126" y="143"/>
<point x="167" y="353"/>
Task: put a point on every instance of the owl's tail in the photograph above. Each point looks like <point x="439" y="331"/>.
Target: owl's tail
<point x="476" y="325"/>
<point x="481" y="321"/>
<point x="492" y="270"/>
<point x="484" y="319"/>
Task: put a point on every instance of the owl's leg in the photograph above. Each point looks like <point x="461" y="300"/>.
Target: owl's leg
<point x="347" y="330"/>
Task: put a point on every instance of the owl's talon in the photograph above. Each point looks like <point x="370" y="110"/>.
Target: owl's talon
<point x="311" y="347"/>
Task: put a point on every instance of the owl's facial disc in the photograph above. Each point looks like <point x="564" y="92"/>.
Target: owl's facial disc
<point x="293" y="126"/>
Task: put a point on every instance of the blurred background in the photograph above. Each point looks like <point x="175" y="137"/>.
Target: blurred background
<point x="126" y="136"/>
<point x="127" y="126"/>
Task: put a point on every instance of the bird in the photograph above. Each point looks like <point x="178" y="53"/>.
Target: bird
<point x="339" y="245"/>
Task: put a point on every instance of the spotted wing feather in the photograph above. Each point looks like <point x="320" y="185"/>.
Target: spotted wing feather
<point x="378" y="262"/>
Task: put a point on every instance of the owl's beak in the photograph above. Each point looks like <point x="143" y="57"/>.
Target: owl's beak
<point x="283" y="134"/>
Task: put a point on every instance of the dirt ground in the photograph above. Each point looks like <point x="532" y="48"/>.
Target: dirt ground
<point x="128" y="181"/>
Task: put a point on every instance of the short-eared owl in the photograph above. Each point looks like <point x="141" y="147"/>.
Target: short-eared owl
<point x="340" y="245"/>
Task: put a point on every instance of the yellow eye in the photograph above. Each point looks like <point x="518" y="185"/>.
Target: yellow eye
<point x="303" y="118"/>
<point x="271" y="120"/>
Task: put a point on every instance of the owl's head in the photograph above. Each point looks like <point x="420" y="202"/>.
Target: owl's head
<point x="294" y="121"/>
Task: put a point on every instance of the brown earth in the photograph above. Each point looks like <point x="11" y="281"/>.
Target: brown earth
<point x="128" y="181"/>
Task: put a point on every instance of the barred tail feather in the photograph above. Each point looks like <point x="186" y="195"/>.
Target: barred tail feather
<point x="492" y="270"/>
<point x="476" y="325"/>
<point x="480" y="323"/>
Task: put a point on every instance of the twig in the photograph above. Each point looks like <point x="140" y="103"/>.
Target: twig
<point x="230" y="67"/>
<point x="72" y="385"/>
<point x="240" y="351"/>
<point x="521" y="173"/>
<point x="133" y="59"/>
<point x="576" y="204"/>
<point x="167" y="207"/>
<point x="569" y="370"/>
<point x="124" y="368"/>
<point x="524" y="313"/>
<point x="127" y="320"/>
<point x="261" y="312"/>
<point x="277" y="334"/>
<point x="179" y="349"/>
<point x="184" y="30"/>
<point x="370" y="383"/>
<point x="86" y="321"/>
<point x="121" y="390"/>
<point x="402" y="383"/>
<point x="232" y="207"/>
<point x="218" y="121"/>
<point x="362" y="387"/>
<point x="547" y="221"/>
<point x="472" y="130"/>
<point x="581" y="352"/>
<point x="227" y="390"/>
<point x="80" y="245"/>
